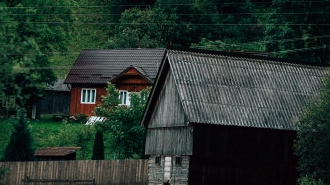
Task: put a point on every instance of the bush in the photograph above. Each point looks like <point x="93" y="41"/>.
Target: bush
<point x="79" y="118"/>
<point x="309" y="181"/>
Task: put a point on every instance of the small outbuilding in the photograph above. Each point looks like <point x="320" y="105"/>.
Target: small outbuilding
<point x="56" y="153"/>
<point x="226" y="118"/>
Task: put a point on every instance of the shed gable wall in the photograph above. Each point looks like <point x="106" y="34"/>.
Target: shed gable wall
<point x="169" y="111"/>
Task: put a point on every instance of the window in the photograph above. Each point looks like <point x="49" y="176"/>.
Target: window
<point x="178" y="161"/>
<point x="124" y="97"/>
<point x="157" y="160"/>
<point x="88" y="96"/>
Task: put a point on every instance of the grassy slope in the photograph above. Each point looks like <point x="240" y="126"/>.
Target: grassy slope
<point x="47" y="132"/>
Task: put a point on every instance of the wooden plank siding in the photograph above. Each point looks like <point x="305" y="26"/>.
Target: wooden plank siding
<point x="105" y="172"/>
<point x="169" y="111"/>
<point x="169" y="141"/>
<point x="55" y="102"/>
<point x="244" y="143"/>
<point x="78" y="108"/>
<point x="214" y="170"/>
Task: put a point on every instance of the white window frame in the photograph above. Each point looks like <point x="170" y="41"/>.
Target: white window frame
<point x="85" y="99"/>
<point x="125" y="101"/>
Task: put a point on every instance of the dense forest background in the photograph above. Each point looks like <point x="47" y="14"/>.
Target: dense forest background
<point x="296" y="30"/>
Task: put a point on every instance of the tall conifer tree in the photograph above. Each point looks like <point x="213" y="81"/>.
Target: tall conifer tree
<point x="98" y="150"/>
<point x="19" y="147"/>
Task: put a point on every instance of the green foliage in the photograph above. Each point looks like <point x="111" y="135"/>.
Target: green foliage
<point x="24" y="68"/>
<point x="19" y="147"/>
<point x="287" y="22"/>
<point x="80" y="118"/>
<point x="76" y="136"/>
<point x="98" y="149"/>
<point x="123" y="122"/>
<point x="309" y="181"/>
<point x="313" y="137"/>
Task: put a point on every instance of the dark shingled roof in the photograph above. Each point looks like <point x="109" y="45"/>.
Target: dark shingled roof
<point x="241" y="90"/>
<point x="100" y="66"/>
<point x="56" y="151"/>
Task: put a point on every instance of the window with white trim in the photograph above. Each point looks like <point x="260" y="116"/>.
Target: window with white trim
<point x="88" y="96"/>
<point x="124" y="97"/>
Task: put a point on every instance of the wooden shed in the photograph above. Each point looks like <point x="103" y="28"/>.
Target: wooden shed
<point x="131" y="70"/>
<point x="56" y="99"/>
<point x="226" y="118"/>
<point x="56" y="153"/>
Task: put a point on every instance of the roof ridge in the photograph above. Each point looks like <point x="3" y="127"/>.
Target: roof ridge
<point x="245" y="55"/>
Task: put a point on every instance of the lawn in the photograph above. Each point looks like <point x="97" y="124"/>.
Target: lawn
<point x="47" y="132"/>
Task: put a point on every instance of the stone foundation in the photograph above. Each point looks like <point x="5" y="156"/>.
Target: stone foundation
<point x="158" y="174"/>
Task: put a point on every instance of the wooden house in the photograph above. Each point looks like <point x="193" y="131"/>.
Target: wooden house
<point x="131" y="70"/>
<point x="226" y="118"/>
<point x="56" y="153"/>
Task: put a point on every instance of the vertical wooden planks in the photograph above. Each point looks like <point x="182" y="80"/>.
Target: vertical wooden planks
<point x="119" y="172"/>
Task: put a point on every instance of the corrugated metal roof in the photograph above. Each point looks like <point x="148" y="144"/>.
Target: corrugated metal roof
<point x="102" y="65"/>
<point x="243" y="91"/>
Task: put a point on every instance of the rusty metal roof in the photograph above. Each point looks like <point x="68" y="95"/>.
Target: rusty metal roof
<point x="100" y="66"/>
<point x="56" y="151"/>
<point x="240" y="90"/>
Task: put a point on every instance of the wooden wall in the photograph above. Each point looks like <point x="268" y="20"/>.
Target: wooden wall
<point x="169" y="111"/>
<point x="106" y="172"/>
<point x="244" y="143"/>
<point x="55" y="102"/>
<point x="169" y="141"/>
<point x="212" y="170"/>
<point x="77" y="108"/>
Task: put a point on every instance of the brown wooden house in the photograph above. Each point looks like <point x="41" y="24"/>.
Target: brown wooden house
<point x="226" y="118"/>
<point x="131" y="70"/>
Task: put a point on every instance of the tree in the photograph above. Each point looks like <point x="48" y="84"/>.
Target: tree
<point x="299" y="30"/>
<point x="25" y="69"/>
<point x="98" y="149"/>
<point x="19" y="147"/>
<point x="123" y="123"/>
<point x="313" y="137"/>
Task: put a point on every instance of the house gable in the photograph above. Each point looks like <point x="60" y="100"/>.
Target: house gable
<point x="168" y="110"/>
<point x="132" y="79"/>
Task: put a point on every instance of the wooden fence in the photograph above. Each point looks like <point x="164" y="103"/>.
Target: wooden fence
<point x="105" y="172"/>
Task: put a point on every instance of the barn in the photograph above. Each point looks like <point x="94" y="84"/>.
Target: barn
<point x="131" y="70"/>
<point x="226" y="118"/>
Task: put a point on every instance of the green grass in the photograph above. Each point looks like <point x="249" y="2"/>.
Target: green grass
<point x="47" y="132"/>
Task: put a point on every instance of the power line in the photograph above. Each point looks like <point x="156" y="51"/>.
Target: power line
<point x="79" y="14"/>
<point x="168" y="24"/>
<point x="175" y="4"/>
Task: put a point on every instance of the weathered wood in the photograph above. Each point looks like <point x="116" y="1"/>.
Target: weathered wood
<point x="171" y="141"/>
<point x="55" y="102"/>
<point x="169" y="111"/>
<point x="105" y="172"/>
